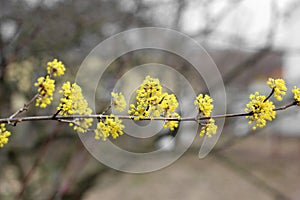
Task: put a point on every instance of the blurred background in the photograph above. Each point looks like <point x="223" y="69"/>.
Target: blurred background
<point x="249" y="40"/>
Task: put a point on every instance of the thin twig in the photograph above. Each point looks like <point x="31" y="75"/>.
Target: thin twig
<point x="233" y="140"/>
<point x="271" y="93"/>
<point x="24" y="108"/>
<point x="74" y="123"/>
<point x="55" y="114"/>
<point x="285" y="107"/>
<point x="106" y="110"/>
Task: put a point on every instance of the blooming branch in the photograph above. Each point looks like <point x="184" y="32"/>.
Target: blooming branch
<point x="151" y="103"/>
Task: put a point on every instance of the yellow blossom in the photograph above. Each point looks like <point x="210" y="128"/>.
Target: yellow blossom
<point x="204" y="104"/>
<point x="4" y="134"/>
<point x="278" y="85"/>
<point x="118" y="101"/>
<point x="172" y="124"/>
<point x="148" y="97"/>
<point x="152" y="102"/>
<point x="73" y="103"/>
<point x="168" y="104"/>
<point x="209" y="128"/>
<point x="46" y="87"/>
<point x="81" y="125"/>
<point x="56" y="68"/>
<point x="296" y="92"/>
<point x="111" y="126"/>
<point x="260" y="109"/>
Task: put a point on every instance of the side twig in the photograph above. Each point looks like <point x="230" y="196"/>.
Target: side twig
<point x="23" y="109"/>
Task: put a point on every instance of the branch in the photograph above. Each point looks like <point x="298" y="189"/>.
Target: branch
<point x="270" y="95"/>
<point x="74" y="123"/>
<point x="24" y="108"/>
<point x="127" y="117"/>
<point x="233" y="140"/>
<point x="285" y="107"/>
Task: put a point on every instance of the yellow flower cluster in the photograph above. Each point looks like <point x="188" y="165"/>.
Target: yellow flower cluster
<point x="56" y="68"/>
<point x="172" y="125"/>
<point x="118" y="101"/>
<point x="167" y="108"/>
<point x="4" y="134"/>
<point x="278" y="85"/>
<point x="260" y="109"/>
<point x="81" y="125"/>
<point x="46" y="85"/>
<point x="296" y="92"/>
<point x="149" y="97"/>
<point x="204" y="104"/>
<point x="110" y="126"/>
<point x="152" y="102"/>
<point x="168" y="105"/>
<point x="209" y="128"/>
<point x="73" y="102"/>
<point x="46" y="88"/>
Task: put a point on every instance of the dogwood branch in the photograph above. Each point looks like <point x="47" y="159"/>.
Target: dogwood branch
<point x="126" y="117"/>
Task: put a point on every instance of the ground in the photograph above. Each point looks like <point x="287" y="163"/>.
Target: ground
<point x="259" y="167"/>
